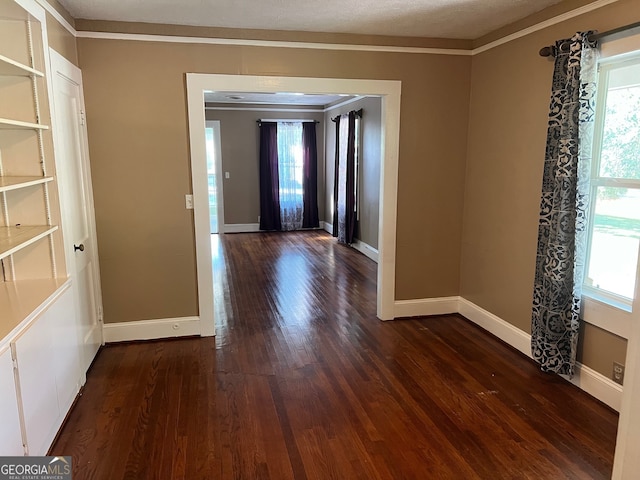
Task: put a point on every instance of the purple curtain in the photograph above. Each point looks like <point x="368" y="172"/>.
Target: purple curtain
<point x="269" y="187"/>
<point x="351" y="214"/>
<point x="336" y="178"/>
<point x="310" y="176"/>
<point x="345" y="215"/>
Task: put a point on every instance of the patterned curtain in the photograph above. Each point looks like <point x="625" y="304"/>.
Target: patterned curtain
<point x="563" y="207"/>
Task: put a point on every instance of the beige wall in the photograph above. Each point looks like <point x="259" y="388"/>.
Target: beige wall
<point x="136" y="108"/>
<point x="240" y="144"/>
<point x="507" y="133"/>
<point x="369" y="166"/>
<point x="59" y="38"/>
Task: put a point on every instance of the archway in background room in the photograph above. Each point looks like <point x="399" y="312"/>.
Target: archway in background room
<point x="389" y="91"/>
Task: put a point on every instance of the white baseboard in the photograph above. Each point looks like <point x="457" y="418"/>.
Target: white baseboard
<point x="241" y="227"/>
<point x="151" y="329"/>
<point x="597" y="385"/>
<point x="425" y="306"/>
<point x="366" y="249"/>
<point x="585" y="378"/>
<point x="495" y="325"/>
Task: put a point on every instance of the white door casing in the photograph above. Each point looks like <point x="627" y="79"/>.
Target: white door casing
<point x="388" y="90"/>
<point x="76" y="199"/>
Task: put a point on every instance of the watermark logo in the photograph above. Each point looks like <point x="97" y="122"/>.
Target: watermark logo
<point x="35" y="468"/>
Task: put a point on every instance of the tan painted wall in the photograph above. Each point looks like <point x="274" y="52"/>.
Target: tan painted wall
<point x="61" y="40"/>
<point x="508" y="120"/>
<point x="136" y="108"/>
<point x="369" y="166"/>
<point x="240" y="143"/>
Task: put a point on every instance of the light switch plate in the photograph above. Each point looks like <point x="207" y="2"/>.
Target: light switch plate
<point x="188" y="201"/>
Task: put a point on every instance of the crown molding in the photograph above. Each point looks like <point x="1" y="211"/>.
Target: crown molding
<point x="542" y="25"/>
<point x="270" y="43"/>
<point x="55" y="14"/>
<point x="326" y="46"/>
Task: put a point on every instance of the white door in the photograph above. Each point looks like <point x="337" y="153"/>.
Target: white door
<point x="76" y="198"/>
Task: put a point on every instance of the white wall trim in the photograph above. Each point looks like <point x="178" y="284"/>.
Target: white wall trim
<point x="366" y="249"/>
<point x="388" y="90"/>
<point x="151" y="329"/>
<point x="328" y="46"/>
<point x="495" y="325"/>
<point x="342" y="104"/>
<point x="542" y="25"/>
<point x="268" y="109"/>
<point x="241" y="227"/>
<point x="425" y="307"/>
<point x="585" y="378"/>
<point x="597" y="385"/>
<point x="55" y="14"/>
<point x="139" y="37"/>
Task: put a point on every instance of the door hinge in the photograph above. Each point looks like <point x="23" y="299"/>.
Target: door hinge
<point x="83" y="120"/>
<point x="100" y="314"/>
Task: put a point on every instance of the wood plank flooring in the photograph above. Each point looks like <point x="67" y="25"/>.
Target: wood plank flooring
<point x="303" y="382"/>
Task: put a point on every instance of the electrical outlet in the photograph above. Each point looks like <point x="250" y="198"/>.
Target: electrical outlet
<point x="618" y="372"/>
<point x="188" y="201"/>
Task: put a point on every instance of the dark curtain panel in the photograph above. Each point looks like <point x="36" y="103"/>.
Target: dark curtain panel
<point x="310" y="176"/>
<point x="345" y="215"/>
<point x="336" y="177"/>
<point x="563" y="207"/>
<point x="351" y="214"/>
<point x="269" y="183"/>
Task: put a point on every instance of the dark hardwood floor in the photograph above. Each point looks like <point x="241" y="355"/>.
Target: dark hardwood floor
<point x="302" y="381"/>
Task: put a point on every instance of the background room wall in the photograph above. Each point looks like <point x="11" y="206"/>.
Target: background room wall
<point x="136" y="112"/>
<point x="369" y="171"/>
<point x="510" y="92"/>
<point x="240" y="142"/>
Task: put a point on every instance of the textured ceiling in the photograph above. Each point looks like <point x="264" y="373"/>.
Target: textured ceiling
<point x="463" y="19"/>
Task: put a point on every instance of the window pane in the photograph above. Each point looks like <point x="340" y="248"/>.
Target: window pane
<point x="614" y="244"/>
<point x="621" y="136"/>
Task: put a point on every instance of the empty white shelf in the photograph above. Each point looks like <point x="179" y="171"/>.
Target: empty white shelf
<point x="9" y="124"/>
<point x="19" y="300"/>
<point x="14" y="183"/>
<point x="10" y="67"/>
<point x="14" y="239"/>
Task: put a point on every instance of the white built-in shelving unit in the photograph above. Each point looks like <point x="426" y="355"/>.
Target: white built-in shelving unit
<point x="31" y="257"/>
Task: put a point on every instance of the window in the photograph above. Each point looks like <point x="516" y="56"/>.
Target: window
<point x="612" y="256"/>
<point x="290" y="165"/>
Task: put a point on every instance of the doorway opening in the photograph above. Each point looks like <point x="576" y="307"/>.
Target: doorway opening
<point x="389" y="91"/>
<point x="214" y="176"/>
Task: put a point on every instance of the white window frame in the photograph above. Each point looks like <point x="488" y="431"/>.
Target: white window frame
<point x="606" y="310"/>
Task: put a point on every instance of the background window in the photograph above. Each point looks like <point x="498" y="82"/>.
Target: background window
<point x="615" y="202"/>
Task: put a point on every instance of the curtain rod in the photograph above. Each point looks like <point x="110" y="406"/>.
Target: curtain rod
<point x="358" y="113"/>
<point x="550" y="51"/>
<point x="303" y="120"/>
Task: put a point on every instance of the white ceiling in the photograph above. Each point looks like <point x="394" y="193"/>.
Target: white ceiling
<point x="464" y="19"/>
